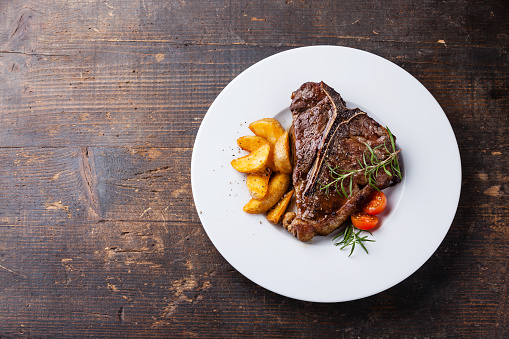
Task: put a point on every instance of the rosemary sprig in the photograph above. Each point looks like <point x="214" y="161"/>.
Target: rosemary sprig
<point x="370" y="164"/>
<point x="351" y="237"/>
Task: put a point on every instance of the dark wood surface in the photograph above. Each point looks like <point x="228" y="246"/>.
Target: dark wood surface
<point x="100" y="102"/>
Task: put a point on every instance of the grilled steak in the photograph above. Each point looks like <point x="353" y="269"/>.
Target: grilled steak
<point x="326" y="136"/>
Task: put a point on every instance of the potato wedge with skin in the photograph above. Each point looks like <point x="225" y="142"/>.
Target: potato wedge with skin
<point x="276" y="213"/>
<point x="278" y="185"/>
<point x="281" y="152"/>
<point x="254" y="161"/>
<point x="258" y="183"/>
<point x="251" y="142"/>
<point x="268" y="128"/>
<point x="270" y="162"/>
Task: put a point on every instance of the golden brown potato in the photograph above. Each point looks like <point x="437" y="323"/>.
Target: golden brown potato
<point x="276" y="213"/>
<point x="254" y="161"/>
<point x="281" y="153"/>
<point x="251" y="142"/>
<point x="278" y="185"/>
<point x="268" y="128"/>
<point x="258" y="183"/>
<point x="270" y="162"/>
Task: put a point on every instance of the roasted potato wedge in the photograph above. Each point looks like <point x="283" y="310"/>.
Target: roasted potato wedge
<point x="254" y="161"/>
<point x="258" y="183"/>
<point x="276" y="213"/>
<point x="281" y="153"/>
<point x="251" y="142"/>
<point x="278" y="185"/>
<point x="268" y="128"/>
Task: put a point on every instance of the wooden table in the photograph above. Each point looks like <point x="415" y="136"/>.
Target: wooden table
<point x="100" y="102"/>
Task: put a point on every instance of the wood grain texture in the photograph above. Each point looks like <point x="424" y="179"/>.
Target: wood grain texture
<point x="100" y="102"/>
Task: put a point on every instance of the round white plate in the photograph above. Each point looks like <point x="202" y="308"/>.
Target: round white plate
<point x="420" y="209"/>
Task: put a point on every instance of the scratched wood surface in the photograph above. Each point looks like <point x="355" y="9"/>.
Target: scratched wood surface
<point x="100" y="102"/>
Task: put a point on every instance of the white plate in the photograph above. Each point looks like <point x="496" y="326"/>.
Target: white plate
<point x="421" y="208"/>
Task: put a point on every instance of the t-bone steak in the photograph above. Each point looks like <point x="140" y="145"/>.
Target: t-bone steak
<point x="326" y="135"/>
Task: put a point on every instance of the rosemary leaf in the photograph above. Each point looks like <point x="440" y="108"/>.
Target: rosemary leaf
<point x="386" y="170"/>
<point x="353" y="247"/>
<point x="350" y="187"/>
<point x="352" y="237"/>
<point x="364" y="247"/>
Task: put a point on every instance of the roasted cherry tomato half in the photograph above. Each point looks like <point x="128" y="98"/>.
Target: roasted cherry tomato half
<point x="364" y="221"/>
<point x="376" y="203"/>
